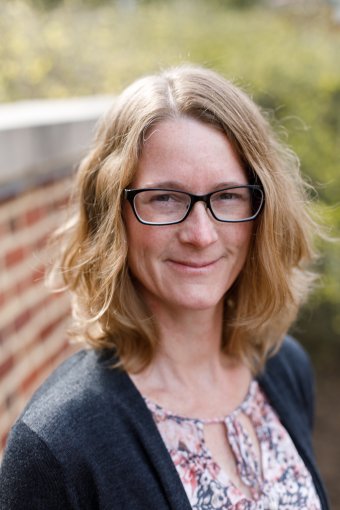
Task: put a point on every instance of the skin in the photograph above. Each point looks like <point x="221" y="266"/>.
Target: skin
<point x="191" y="265"/>
<point x="183" y="272"/>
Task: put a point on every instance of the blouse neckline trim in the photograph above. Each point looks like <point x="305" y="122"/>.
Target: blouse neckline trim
<point x="155" y="407"/>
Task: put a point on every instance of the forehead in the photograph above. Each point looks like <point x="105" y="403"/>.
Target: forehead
<point x="188" y="152"/>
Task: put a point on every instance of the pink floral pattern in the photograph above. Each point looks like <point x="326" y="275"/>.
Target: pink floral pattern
<point x="277" y="480"/>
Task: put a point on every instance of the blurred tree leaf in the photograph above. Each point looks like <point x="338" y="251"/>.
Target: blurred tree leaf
<point x="287" y="58"/>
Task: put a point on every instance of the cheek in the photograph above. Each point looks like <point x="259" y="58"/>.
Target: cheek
<point x="144" y="244"/>
<point x="133" y="236"/>
<point x="135" y="231"/>
<point x="136" y="248"/>
<point x="240" y="237"/>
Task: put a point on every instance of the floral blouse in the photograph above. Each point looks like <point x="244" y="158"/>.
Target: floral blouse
<point x="277" y="480"/>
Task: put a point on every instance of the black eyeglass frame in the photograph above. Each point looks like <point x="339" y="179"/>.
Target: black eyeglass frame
<point x="130" y="194"/>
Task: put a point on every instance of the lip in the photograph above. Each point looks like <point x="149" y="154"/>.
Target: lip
<point x="194" y="266"/>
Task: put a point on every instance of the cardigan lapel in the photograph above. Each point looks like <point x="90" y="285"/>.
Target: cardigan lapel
<point x="134" y="406"/>
<point x="290" y="416"/>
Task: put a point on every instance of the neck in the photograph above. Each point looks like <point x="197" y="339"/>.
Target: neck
<point x="193" y="335"/>
<point x="189" y="374"/>
<point x="189" y="344"/>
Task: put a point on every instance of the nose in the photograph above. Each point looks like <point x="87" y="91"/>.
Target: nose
<point x="199" y="228"/>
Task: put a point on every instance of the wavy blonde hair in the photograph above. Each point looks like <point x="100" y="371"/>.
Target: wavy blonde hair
<point x="263" y="302"/>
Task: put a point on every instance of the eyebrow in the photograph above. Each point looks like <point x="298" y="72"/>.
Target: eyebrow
<point x="179" y="186"/>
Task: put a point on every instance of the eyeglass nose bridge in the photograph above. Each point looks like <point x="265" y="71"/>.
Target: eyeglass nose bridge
<point x="199" y="198"/>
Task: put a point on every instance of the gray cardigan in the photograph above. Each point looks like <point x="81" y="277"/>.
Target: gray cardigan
<point x="87" y="440"/>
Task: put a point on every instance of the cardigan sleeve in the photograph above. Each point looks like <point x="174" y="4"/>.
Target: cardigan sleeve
<point x="30" y="476"/>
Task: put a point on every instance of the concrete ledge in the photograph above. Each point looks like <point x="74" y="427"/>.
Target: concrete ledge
<point x="39" y="139"/>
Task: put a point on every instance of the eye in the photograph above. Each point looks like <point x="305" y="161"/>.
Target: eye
<point x="232" y="195"/>
<point x="163" y="197"/>
<point x="227" y="196"/>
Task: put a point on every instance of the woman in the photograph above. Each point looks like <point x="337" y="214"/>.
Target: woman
<point x="187" y="259"/>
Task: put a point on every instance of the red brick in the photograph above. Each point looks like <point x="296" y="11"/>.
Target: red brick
<point x="25" y="315"/>
<point x="41" y="242"/>
<point x="64" y="348"/>
<point x="22" y="319"/>
<point x="38" y="274"/>
<point x="16" y="223"/>
<point x="34" y="215"/>
<point x="2" y="409"/>
<point x="10" y="399"/>
<point x="20" y="287"/>
<point x="14" y="257"/>
<point x="6" y="366"/>
<point x="47" y="330"/>
<point x="55" y="296"/>
<point x="35" y="277"/>
<point x="3" y="441"/>
<point x="3" y="298"/>
<point x="5" y="333"/>
<point x="29" y="383"/>
<point x="62" y="203"/>
<point x="4" y="230"/>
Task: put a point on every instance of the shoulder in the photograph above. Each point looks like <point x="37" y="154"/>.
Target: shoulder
<point x="75" y="407"/>
<point x="291" y="362"/>
<point x="72" y="387"/>
<point x="51" y="431"/>
<point x="83" y="417"/>
<point x="289" y="374"/>
<point x="83" y="428"/>
<point x="30" y="475"/>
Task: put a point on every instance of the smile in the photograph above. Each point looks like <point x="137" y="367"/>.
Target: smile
<point x="193" y="266"/>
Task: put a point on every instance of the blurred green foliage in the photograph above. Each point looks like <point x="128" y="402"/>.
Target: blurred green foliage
<point x="287" y="58"/>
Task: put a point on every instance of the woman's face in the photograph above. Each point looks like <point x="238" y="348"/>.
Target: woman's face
<point x="191" y="265"/>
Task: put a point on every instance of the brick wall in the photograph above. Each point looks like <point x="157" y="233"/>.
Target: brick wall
<point x="33" y="321"/>
<point x="40" y="143"/>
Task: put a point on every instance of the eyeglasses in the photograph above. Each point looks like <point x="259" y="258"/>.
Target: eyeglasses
<point x="158" y="206"/>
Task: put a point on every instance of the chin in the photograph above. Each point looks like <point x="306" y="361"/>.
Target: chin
<point x="197" y="303"/>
